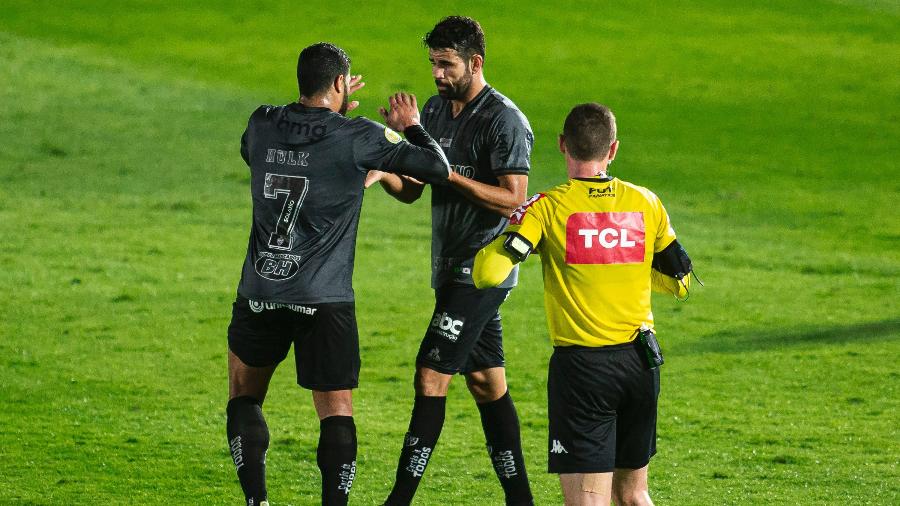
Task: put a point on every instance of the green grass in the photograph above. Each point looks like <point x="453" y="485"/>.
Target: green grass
<point x="770" y="132"/>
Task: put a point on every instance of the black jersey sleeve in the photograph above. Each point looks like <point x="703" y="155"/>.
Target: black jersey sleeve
<point x="380" y="148"/>
<point x="510" y="143"/>
<point x="245" y="151"/>
<point x="246" y="138"/>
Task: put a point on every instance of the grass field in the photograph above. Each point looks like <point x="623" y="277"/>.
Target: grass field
<point x="770" y="131"/>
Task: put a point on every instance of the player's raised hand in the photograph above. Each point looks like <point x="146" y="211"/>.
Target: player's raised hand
<point x="355" y="84"/>
<point x="403" y="112"/>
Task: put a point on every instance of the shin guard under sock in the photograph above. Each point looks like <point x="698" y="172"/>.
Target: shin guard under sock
<point x="248" y="440"/>
<point x="336" y="457"/>
<point x="501" y="430"/>
<point x="424" y="429"/>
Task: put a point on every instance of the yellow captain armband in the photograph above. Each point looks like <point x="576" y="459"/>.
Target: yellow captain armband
<point x="493" y="263"/>
<point x="661" y="283"/>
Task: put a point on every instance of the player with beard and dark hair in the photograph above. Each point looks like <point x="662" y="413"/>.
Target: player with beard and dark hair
<point x="488" y="143"/>
<point x="308" y="163"/>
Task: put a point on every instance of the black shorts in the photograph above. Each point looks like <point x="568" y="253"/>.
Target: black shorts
<point x="465" y="334"/>
<point x="325" y="339"/>
<point x="602" y="409"/>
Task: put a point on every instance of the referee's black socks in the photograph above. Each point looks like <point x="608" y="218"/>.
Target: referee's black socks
<point x="336" y="457"/>
<point x="424" y="429"/>
<point x="501" y="430"/>
<point x="248" y="439"/>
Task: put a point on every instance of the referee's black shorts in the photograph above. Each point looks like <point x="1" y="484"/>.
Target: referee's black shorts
<point x="602" y="409"/>
<point x="325" y="339"/>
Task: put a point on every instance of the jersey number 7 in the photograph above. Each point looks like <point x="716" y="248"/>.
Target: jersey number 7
<point x="294" y="189"/>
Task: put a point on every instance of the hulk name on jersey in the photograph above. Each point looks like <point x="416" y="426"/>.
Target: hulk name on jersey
<point x="490" y="137"/>
<point x="306" y="184"/>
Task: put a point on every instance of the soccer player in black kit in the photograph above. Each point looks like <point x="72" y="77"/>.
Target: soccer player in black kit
<point x="308" y="163"/>
<point x="488" y="142"/>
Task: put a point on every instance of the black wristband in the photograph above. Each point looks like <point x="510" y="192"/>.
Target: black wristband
<point x="673" y="261"/>
<point x="417" y="135"/>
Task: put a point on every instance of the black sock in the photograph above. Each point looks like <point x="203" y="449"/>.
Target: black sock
<point x="336" y="457"/>
<point x="248" y="439"/>
<point x="424" y="429"/>
<point x="501" y="430"/>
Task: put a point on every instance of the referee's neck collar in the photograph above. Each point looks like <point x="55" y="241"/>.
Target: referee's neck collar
<point x="603" y="178"/>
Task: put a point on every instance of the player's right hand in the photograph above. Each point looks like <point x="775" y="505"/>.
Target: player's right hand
<point x="403" y="112"/>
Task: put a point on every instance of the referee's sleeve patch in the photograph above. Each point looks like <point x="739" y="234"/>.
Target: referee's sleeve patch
<point x="519" y="214"/>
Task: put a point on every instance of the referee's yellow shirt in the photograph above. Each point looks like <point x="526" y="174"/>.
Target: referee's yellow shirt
<point x="596" y="239"/>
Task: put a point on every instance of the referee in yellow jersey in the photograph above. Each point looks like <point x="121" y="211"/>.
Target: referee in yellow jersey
<point x="603" y="244"/>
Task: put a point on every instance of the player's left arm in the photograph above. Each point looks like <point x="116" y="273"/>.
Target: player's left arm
<point x="403" y="188"/>
<point x="509" y="146"/>
<point x="246" y="138"/>
<point x="502" y="199"/>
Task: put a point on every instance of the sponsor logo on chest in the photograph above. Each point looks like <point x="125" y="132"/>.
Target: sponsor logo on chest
<point x="463" y="170"/>
<point x="605" y="238"/>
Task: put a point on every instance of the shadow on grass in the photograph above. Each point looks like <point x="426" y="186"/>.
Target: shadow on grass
<point x="737" y="341"/>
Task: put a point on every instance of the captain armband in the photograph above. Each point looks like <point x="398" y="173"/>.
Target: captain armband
<point x="517" y="246"/>
<point x="674" y="262"/>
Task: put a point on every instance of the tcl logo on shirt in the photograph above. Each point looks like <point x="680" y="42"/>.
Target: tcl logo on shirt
<point x="605" y="238"/>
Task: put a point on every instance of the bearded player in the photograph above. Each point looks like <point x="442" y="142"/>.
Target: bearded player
<point x="488" y="143"/>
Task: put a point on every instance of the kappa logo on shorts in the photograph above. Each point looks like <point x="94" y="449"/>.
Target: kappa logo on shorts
<point x="557" y="447"/>
<point x="435" y="354"/>
<point x="445" y="325"/>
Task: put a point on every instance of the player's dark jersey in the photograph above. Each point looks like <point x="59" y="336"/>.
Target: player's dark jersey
<point x="489" y="138"/>
<point x="307" y="169"/>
